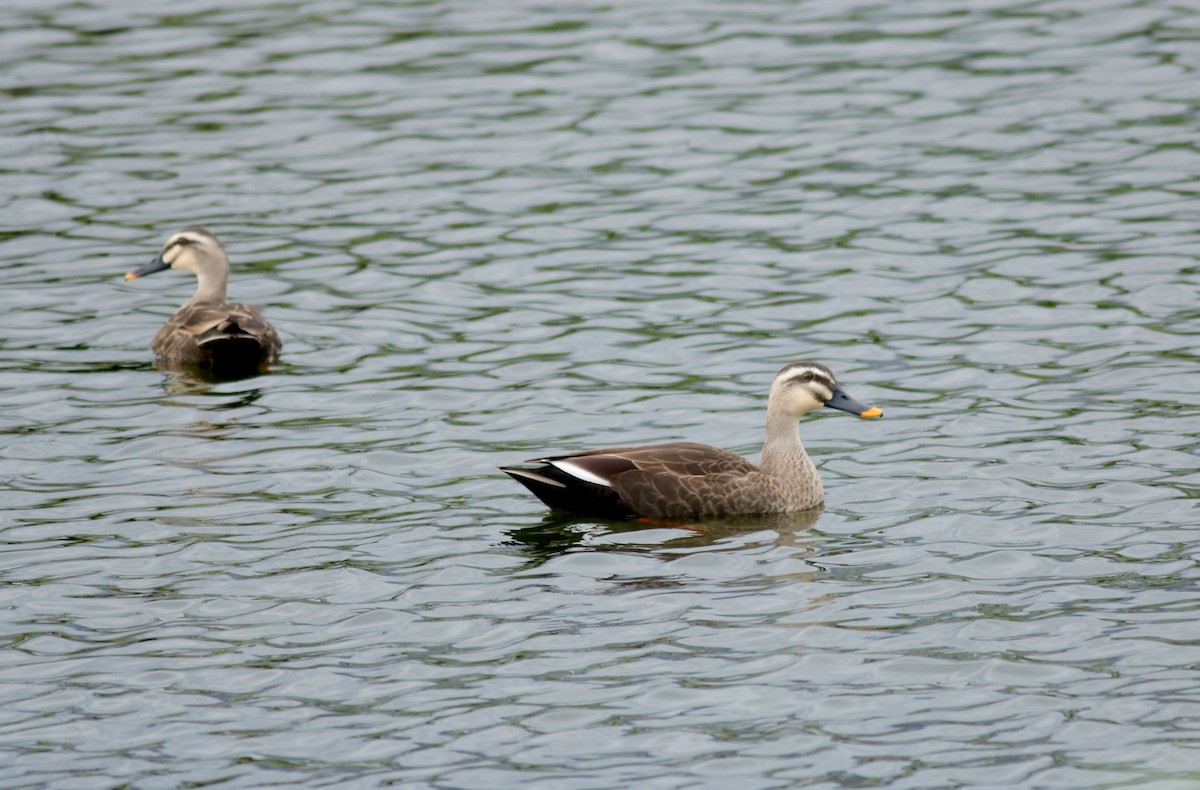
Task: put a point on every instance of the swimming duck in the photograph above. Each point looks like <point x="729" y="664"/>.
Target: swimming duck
<point x="684" y="479"/>
<point x="218" y="339"/>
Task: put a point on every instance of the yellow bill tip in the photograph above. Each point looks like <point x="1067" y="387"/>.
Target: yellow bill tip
<point x="131" y="276"/>
<point x="874" y="411"/>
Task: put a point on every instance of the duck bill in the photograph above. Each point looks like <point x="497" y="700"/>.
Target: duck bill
<point x="843" y="402"/>
<point x="156" y="265"/>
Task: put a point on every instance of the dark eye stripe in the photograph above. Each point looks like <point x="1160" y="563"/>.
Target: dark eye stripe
<point x="816" y="379"/>
<point x="179" y="241"/>
<point x="824" y="382"/>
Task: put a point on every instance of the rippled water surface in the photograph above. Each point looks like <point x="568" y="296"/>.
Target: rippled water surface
<point x="486" y="230"/>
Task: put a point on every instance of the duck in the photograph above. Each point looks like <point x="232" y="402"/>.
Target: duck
<point x="690" y="480"/>
<point x="216" y="338"/>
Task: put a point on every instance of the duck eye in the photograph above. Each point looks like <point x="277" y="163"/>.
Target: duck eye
<point x="807" y="377"/>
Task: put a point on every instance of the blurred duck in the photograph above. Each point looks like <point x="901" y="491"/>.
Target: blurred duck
<point x="207" y="334"/>
<point x="684" y="479"/>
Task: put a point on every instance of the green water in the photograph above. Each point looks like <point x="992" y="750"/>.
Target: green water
<point x="486" y="231"/>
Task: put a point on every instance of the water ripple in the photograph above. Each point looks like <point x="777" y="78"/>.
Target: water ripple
<point x="486" y="231"/>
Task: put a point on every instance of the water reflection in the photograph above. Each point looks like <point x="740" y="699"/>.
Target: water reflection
<point x="179" y="383"/>
<point x="216" y="419"/>
<point x="187" y="374"/>
<point x="185" y="382"/>
<point x="588" y="220"/>
<point x="559" y="533"/>
<point x="206" y="429"/>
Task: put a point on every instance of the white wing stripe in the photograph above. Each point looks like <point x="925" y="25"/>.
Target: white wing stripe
<point x="576" y="471"/>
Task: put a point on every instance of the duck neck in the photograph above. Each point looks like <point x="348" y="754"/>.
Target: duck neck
<point x="782" y="452"/>
<point x="210" y="288"/>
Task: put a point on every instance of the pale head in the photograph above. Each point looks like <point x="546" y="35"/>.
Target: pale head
<point x="801" y="387"/>
<point x="196" y="250"/>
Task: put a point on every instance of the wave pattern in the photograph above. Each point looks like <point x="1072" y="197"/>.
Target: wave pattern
<point x="490" y="230"/>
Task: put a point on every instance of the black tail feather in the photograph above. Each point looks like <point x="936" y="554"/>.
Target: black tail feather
<point x="560" y="491"/>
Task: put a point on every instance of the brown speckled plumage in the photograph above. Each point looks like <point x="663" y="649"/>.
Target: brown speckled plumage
<point x="208" y="334"/>
<point x="684" y="479"/>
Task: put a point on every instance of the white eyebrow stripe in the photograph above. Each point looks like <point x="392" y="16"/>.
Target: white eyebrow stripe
<point x="819" y="378"/>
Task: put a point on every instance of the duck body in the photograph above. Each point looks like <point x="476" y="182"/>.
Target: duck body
<point x="665" y="481"/>
<point x="685" y="479"/>
<point x="227" y="341"/>
<point x="215" y="338"/>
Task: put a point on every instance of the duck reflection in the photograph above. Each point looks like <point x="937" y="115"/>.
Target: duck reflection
<point x="559" y="533"/>
<point x="180" y="381"/>
<point x="190" y="379"/>
<point x="182" y="389"/>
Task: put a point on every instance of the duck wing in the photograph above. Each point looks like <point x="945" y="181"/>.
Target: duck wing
<point x="232" y="339"/>
<point x="242" y="324"/>
<point x="661" y="480"/>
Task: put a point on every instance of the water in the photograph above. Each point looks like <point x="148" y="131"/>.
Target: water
<point x="489" y="230"/>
